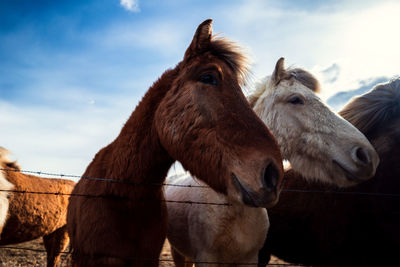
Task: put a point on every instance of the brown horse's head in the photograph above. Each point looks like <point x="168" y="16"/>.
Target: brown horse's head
<point x="377" y="115"/>
<point x="205" y="122"/>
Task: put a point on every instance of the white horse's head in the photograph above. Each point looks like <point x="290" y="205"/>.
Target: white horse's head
<point x="317" y="142"/>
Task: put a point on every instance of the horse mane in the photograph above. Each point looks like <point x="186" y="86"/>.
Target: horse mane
<point x="233" y="55"/>
<point x="5" y="161"/>
<point x="303" y="77"/>
<point x="375" y="108"/>
<point x="300" y="75"/>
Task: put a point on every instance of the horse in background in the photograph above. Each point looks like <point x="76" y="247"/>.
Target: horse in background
<point x="195" y="113"/>
<point x="358" y="226"/>
<point x="28" y="216"/>
<point x="320" y="145"/>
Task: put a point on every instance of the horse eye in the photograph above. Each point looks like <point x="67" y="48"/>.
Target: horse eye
<point x="208" y="79"/>
<point x="296" y="100"/>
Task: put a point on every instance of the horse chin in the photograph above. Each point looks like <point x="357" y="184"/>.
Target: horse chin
<point x="251" y="198"/>
<point x="349" y="177"/>
<point x="335" y="173"/>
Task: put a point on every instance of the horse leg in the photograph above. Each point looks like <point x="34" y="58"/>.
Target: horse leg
<point x="55" y="243"/>
<point x="179" y="259"/>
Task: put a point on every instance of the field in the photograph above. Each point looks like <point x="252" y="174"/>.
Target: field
<point x="33" y="255"/>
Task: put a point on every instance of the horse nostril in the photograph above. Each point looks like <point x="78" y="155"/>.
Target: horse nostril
<point x="271" y="176"/>
<point x="361" y="155"/>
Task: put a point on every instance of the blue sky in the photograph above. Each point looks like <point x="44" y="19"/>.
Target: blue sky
<point x="71" y="72"/>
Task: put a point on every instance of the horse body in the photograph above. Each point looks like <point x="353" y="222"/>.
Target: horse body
<point x="195" y="113"/>
<point x="307" y="132"/>
<point x="359" y="225"/>
<point x="212" y="235"/>
<point x="30" y="216"/>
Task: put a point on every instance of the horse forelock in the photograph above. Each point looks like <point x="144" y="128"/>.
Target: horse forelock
<point x="375" y="109"/>
<point x="303" y="77"/>
<point x="233" y="55"/>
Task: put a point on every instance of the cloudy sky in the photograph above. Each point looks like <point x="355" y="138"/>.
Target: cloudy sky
<point x="71" y="72"/>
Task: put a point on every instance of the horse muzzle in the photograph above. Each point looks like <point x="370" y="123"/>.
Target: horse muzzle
<point x="266" y="197"/>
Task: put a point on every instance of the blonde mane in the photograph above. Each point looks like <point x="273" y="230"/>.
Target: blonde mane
<point x="374" y="109"/>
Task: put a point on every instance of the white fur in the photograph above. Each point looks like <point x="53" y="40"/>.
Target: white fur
<point x="311" y="136"/>
<point x="4" y="202"/>
<point x="211" y="233"/>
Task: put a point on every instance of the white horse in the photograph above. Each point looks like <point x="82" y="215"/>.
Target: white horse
<point x="318" y="143"/>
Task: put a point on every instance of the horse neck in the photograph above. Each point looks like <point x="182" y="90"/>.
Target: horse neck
<point x="136" y="155"/>
<point x="243" y="212"/>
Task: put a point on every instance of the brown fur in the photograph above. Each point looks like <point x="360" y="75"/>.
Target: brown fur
<point x="380" y="106"/>
<point x="350" y="229"/>
<point x="31" y="216"/>
<point x="205" y="127"/>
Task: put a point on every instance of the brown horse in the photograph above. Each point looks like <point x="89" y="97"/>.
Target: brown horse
<point x="27" y="216"/>
<point x="195" y="113"/>
<point x="357" y="226"/>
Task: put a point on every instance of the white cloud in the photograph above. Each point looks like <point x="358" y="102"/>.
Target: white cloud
<point x="361" y="43"/>
<point x="359" y="39"/>
<point x="55" y="140"/>
<point x="131" y="5"/>
<point x="331" y="74"/>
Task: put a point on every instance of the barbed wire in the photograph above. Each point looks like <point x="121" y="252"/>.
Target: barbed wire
<point x="66" y="253"/>
<point x="376" y="194"/>
<point x="104" y="179"/>
<point x="39" y="173"/>
<point x="114" y="197"/>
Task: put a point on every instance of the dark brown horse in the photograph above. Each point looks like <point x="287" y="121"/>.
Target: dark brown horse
<point x="27" y="216"/>
<point x="358" y="226"/>
<point x="195" y="113"/>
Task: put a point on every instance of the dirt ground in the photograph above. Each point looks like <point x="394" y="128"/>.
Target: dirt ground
<point x="33" y="254"/>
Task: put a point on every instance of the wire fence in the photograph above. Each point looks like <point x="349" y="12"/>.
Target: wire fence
<point x="39" y="173"/>
<point x="66" y="257"/>
<point x="190" y="202"/>
<point x="67" y="254"/>
<point x="101" y="179"/>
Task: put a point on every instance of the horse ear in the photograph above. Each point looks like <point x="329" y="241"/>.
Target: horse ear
<point x="279" y="72"/>
<point x="201" y="39"/>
